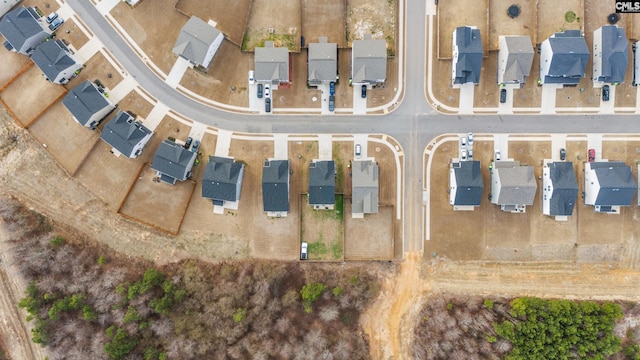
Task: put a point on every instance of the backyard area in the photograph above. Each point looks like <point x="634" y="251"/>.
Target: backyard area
<point x="323" y="230"/>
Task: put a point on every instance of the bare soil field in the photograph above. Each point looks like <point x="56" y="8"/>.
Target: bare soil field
<point x="344" y="92"/>
<point x="98" y="67"/>
<point x="68" y="141"/>
<point x="29" y="94"/>
<point x="342" y="154"/>
<point x="135" y="103"/>
<point x="155" y="38"/>
<point x="230" y="16"/>
<point x="387" y="166"/>
<point x="12" y="63"/>
<point x="283" y="30"/>
<point x="72" y="35"/>
<point x="371" y="238"/>
<point x="228" y="68"/>
<point x="382" y="94"/>
<point x="487" y="92"/>
<point x="584" y="95"/>
<point x="501" y="24"/>
<point x="376" y="17"/>
<point x="551" y="17"/>
<point x="297" y="94"/>
<point x="324" y="18"/>
<point x="460" y="13"/>
<point x="323" y="230"/>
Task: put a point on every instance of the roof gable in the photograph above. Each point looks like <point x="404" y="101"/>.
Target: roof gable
<point x="173" y="160"/>
<point x="364" y="186"/>
<point x="221" y="178"/>
<point x="469" y="184"/>
<point x="195" y="39"/>
<point x="275" y="185"/>
<point x="369" y="60"/>
<point x="52" y="58"/>
<point x="615" y="54"/>
<point x="123" y="133"/>
<point x="617" y="186"/>
<point x="85" y="100"/>
<point x="323" y="61"/>
<point x="470" y="52"/>
<point x="565" y="188"/>
<point x="20" y="25"/>
<point x="322" y="182"/>
<point x="271" y="63"/>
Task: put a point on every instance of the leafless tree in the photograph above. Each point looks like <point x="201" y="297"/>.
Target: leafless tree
<point x="342" y="350"/>
<point x="328" y="313"/>
<point x="316" y="339"/>
<point x="162" y="327"/>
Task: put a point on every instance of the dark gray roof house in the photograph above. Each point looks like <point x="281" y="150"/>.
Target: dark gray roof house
<point x="559" y="189"/>
<point x="23" y="30"/>
<point x="126" y="135"/>
<point x="56" y="62"/>
<point x="608" y="184"/>
<point x="173" y="162"/>
<point x="467" y="55"/>
<point x="369" y="61"/>
<point x="323" y="62"/>
<point x="322" y="183"/>
<point x="563" y="58"/>
<point x="271" y="64"/>
<point x="512" y="186"/>
<point x="88" y="104"/>
<point x="515" y="59"/>
<point x="222" y="180"/>
<point x="364" y="188"/>
<point x="275" y="187"/>
<point x="198" y="42"/>
<point x="610" y="54"/>
<point x="466" y="184"/>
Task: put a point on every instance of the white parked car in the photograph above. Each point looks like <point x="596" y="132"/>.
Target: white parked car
<point x="463" y="142"/>
<point x="470" y="139"/>
<point x="267" y="91"/>
<point x="358" y="151"/>
<point x="463" y="154"/>
<point x="252" y="80"/>
<point x="496" y="156"/>
<point x="304" y="248"/>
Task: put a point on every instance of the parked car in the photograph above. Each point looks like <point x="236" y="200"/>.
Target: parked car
<point x="470" y="154"/>
<point x="259" y="91"/>
<point x="496" y="155"/>
<point x="332" y="88"/>
<point x="363" y="91"/>
<point x="187" y="144"/>
<point x="196" y="145"/>
<point x="267" y="91"/>
<point x="252" y="80"/>
<point x="52" y="17"/>
<point x="463" y="142"/>
<point x="592" y="155"/>
<point x="56" y="23"/>
<point x="470" y="139"/>
<point x="503" y="96"/>
<point x="605" y="93"/>
<point x="304" y="248"/>
<point x="267" y="104"/>
<point x="463" y="154"/>
<point x="563" y="154"/>
<point x="358" y="151"/>
<point x="332" y="103"/>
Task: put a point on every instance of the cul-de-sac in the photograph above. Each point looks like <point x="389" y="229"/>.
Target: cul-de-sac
<point x="319" y="179"/>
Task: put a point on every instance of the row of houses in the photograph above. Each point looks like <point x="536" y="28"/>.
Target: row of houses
<point x="198" y="42"/>
<point x="563" y="57"/>
<point x="608" y="185"/>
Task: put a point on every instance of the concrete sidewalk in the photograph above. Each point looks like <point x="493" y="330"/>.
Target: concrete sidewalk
<point x="325" y="147"/>
<point x="223" y="142"/>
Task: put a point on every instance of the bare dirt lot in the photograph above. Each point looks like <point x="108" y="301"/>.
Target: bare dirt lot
<point x="551" y="17"/>
<point x="378" y="18"/>
<point x="135" y="103"/>
<point x="323" y="230"/>
<point x="371" y="238"/>
<point x="98" y="67"/>
<point x="283" y="30"/>
<point x="460" y="13"/>
<point x="12" y="63"/>
<point x="72" y="35"/>
<point x="230" y="16"/>
<point x="155" y="38"/>
<point x="501" y="24"/>
<point x="297" y="94"/>
<point x="315" y="21"/>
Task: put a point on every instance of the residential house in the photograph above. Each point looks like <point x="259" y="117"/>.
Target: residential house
<point x="271" y="64"/>
<point x="559" y="189"/>
<point x="173" y="162"/>
<point x="132" y="2"/>
<point x="465" y="185"/>
<point x="88" y="104"/>
<point x="563" y="58"/>
<point x="467" y="55"/>
<point x="608" y="185"/>
<point x="23" y="30"/>
<point x="6" y="5"/>
<point x="275" y="187"/>
<point x="126" y="135"/>
<point x="364" y="188"/>
<point x="610" y="54"/>
<point x="198" y="42"/>
<point x="636" y="64"/>
<point x="222" y="182"/>
<point x="322" y="184"/>
<point x="515" y="59"/>
<point x="322" y="62"/>
<point x="56" y="62"/>
<point x="369" y="61"/>
<point x="513" y="187"/>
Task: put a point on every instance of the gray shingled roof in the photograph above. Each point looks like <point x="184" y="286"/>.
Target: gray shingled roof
<point x="369" y="60"/>
<point x="617" y="186"/>
<point x="21" y="24"/>
<point x="322" y="182"/>
<point x="220" y="179"/>
<point x="518" y="184"/>
<point x="364" y="183"/>
<point x="84" y="100"/>
<point x="469" y="185"/>
<point x="520" y="58"/>
<point x="172" y="160"/>
<point x="569" y="59"/>
<point x="469" y="55"/>
<point x="275" y="185"/>
<point x="615" y="54"/>
<point x="123" y="133"/>
<point x="323" y="61"/>
<point x="52" y="58"/>
<point x="194" y="40"/>
<point x="271" y="63"/>
<point x="565" y="188"/>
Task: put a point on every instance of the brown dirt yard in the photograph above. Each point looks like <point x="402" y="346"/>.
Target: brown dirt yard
<point x="376" y="17"/>
<point x="72" y="35"/>
<point x="460" y="13"/>
<point x="324" y="18"/>
<point x="230" y="16"/>
<point x="551" y="17"/>
<point x="97" y="67"/>
<point x="135" y="103"/>
<point x="297" y="94"/>
<point x="323" y="230"/>
<point x="12" y="63"/>
<point x="371" y="238"/>
<point x="284" y="30"/>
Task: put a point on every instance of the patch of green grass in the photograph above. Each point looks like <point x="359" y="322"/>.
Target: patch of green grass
<point x="336" y="250"/>
<point x="570" y="16"/>
<point x="339" y="208"/>
<point x="318" y="248"/>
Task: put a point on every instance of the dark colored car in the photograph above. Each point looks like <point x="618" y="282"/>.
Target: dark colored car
<point x="605" y="93"/>
<point x="592" y="155"/>
<point x="187" y="144"/>
<point x="563" y="154"/>
<point x="332" y="103"/>
<point x="503" y="96"/>
<point x="56" y="23"/>
<point x="259" y="91"/>
<point x="332" y="88"/>
<point x="267" y="105"/>
<point x="363" y="92"/>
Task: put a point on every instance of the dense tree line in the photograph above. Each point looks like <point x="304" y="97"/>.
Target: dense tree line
<point x="87" y="302"/>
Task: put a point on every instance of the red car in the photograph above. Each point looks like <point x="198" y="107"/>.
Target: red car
<point x="592" y="155"/>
